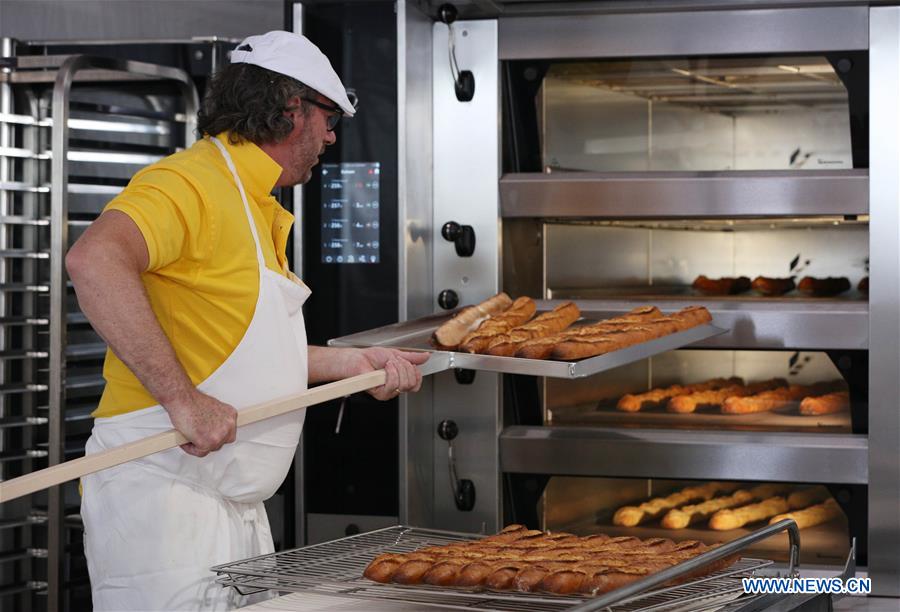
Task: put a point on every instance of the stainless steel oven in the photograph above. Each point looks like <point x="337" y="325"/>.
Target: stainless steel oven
<point x="611" y="157"/>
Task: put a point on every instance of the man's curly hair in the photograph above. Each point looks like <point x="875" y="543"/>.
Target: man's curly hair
<point x="249" y="102"/>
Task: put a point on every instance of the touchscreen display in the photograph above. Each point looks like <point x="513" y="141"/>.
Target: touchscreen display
<point x="351" y="213"/>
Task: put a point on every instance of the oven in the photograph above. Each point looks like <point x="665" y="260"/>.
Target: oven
<point x="611" y="158"/>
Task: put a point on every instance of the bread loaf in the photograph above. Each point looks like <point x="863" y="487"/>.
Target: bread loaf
<point x="823" y="287"/>
<point x="679" y="518"/>
<point x="814" y="515"/>
<point x="517" y="314"/>
<point x="724" y="520"/>
<point x="543" y="325"/>
<point x="524" y="560"/>
<point x="721" y="286"/>
<point x="807" y="497"/>
<point x="689" y="403"/>
<point x="451" y="333"/>
<point x="773" y="286"/>
<point x="629" y="516"/>
<point x="826" y="404"/>
<point x="635" y="402"/>
<point x="774" y="399"/>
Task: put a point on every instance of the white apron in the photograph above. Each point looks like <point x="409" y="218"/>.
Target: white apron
<point x="153" y="527"/>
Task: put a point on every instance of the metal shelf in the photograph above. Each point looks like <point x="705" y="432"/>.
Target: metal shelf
<point x="24" y="521"/>
<point x="10" y="422"/>
<point x="23" y="321"/>
<point x="23" y="354"/>
<point x="758" y="323"/>
<point x="702" y="455"/>
<point x="19" y="454"/>
<point x="91" y="350"/>
<point x="685" y="194"/>
<point x="22" y="387"/>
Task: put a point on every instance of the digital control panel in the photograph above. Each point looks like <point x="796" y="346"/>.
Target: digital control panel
<point x="351" y="213"/>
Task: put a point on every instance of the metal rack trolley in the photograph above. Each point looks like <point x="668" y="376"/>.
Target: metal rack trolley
<point x="336" y="568"/>
<point x="58" y="151"/>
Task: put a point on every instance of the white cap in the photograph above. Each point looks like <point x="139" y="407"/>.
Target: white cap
<point x="295" y="56"/>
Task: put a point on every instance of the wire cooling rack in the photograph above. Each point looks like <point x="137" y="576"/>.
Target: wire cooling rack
<point x="336" y="568"/>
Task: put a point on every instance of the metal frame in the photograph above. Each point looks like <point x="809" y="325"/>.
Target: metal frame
<point x="416" y="274"/>
<point x="613" y="30"/>
<point x="62" y="72"/>
<point x="336" y="567"/>
<point x="722" y="32"/>
<point x="884" y="303"/>
<point x="657" y="453"/>
<point x="659" y="195"/>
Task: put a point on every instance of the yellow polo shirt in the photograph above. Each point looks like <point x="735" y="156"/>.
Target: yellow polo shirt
<point x="202" y="279"/>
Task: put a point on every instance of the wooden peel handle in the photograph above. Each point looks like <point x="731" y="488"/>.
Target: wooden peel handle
<point x="70" y="470"/>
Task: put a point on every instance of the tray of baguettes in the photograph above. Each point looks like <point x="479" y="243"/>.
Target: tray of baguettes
<point x="516" y="337"/>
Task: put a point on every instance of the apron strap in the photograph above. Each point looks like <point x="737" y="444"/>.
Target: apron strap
<point x="237" y="180"/>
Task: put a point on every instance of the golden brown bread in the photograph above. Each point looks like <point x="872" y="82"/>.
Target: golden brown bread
<point x="542" y="348"/>
<point x="773" y="286"/>
<point x="518" y="313"/>
<point x="814" y="515"/>
<point x="451" y="333"/>
<point x="807" y="497"/>
<point x="543" y="325"/>
<point x="728" y="285"/>
<point x="635" y="402"/>
<point x="724" y="520"/>
<point x="608" y="340"/>
<point x="825" y="404"/>
<point x="679" y="518"/>
<point x="823" y="287"/>
<point x="525" y="560"/>
<point x="774" y="399"/>
<point x="629" y="516"/>
<point x="689" y="403"/>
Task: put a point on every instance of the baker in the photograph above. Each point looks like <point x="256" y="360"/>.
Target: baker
<point x="185" y="277"/>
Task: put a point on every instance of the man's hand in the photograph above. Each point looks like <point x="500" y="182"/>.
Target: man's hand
<point x="400" y="367"/>
<point x="206" y="422"/>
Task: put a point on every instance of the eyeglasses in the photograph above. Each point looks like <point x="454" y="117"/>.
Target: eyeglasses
<point x="336" y="111"/>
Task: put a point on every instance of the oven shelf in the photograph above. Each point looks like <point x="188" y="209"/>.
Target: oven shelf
<point x="659" y="195"/>
<point x="701" y="455"/>
<point x="755" y="323"/>
<point x="416" y="335"/>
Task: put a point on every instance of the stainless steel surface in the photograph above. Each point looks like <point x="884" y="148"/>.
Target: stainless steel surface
<point x="884" y="300"/>
<point x="300" y="511"/>
<point x="416" y="335"/>
<point x="626" y="593"/>
<point x="416" y="274"/>
<point x="336" y="568"/>
<point x="685" y="194"/>
<point x="682" y="33"/>
<point x="466" y="150"/>
<point x="147" y="20"/>
<point x="658" y="453"/>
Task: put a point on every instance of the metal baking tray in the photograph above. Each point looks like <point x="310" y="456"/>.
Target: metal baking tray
<point x="416" y="335"/>
<point x="336" y="568"/>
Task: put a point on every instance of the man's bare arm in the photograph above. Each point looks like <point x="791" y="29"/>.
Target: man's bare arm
<point x="105" y="265"/>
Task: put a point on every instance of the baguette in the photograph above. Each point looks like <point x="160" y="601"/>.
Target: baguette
<point x="721" y="286"/>
<point x="724" y="520"/>
<point x="520" y="312"/>
<point x="773" y="286"/>
<point x="825" y="404"/>
<point x="679" y="518"/>
<point x="629" y="516"/>
<point x="526" y="560"/>
<point x="606" y="341"/>
<point x="807" y="497"/>
<point x="543" y="325"/>
<point x="774" y="399"/>
<point x="542" y="348"/>
<point x="813" y="515"/>
<point x="823" y="287"/>
<point x="635" y="402"/>
<point x="451" y="333"/>
<point x="688" y="403"/>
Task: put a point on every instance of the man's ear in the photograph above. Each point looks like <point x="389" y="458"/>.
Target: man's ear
<point x="296" y="115"/>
